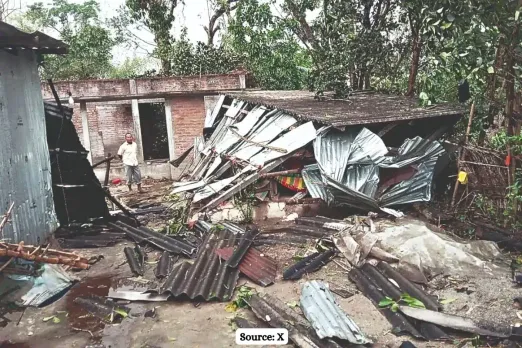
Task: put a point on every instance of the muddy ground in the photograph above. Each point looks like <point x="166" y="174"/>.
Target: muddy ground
<point x="188" y="324"/>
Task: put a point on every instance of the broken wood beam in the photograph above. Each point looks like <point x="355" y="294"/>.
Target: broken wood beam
<point x="281" y="173"/>
<point x="32" y="253"/>
<point x="108" y="159"/>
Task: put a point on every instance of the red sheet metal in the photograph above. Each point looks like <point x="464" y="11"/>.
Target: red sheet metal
<point x="259" y="268"/>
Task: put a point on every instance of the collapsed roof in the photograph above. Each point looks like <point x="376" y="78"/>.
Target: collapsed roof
<point x="351" y="164"/>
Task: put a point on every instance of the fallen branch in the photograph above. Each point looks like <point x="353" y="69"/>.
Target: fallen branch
<point x="32" y="253"/>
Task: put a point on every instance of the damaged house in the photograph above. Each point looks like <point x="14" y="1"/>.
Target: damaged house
<point x="25" y="166"/>
<point x="371" y="152"/>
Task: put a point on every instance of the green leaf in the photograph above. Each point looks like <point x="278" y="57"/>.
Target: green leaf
<point x="231" y="307"/>
<point x="448" y="300"/>
<point x="121" y="312"/>
<point x="292" y="304"/>
<point x="394" y="307"/>
<point x="56" y="320"/>
<point x="385" y="302"/>
<point x="423" y="96"/>
<point x="46" y="319"/>
<point x="446" y="25"/>
<point x="491" y="70"/>
<point x="440" y="10"/>
<point x="517" y="14"/>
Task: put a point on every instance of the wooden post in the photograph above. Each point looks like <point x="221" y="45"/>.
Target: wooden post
<point x="85" y="130"/>
<point x="136" y="121"/>
<point x="462" y="152"/>
<point x="170" y="135"/>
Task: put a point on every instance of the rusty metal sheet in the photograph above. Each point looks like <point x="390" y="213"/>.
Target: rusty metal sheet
<point x="259" y="268"/>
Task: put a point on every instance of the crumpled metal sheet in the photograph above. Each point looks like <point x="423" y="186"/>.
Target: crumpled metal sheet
<point x="327" y="318"/>
<point x="314" y="182"/>
<point x="291" y="141"/>
<point x="349" y="166"/>
<point x="217" y="186"/>
<point x="240" y="128"/>
<point x="268" y="131"/>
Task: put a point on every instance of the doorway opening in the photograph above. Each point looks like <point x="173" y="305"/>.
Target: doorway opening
<point x="154" y="131"/>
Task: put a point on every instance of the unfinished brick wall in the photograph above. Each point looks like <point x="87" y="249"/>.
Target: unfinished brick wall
<point x="188" y="118"/>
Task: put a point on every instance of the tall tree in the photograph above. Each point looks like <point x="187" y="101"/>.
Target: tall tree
<point x="217" y="9"/>
<point x="158" y="17"/>
<point x="78" y="25"/>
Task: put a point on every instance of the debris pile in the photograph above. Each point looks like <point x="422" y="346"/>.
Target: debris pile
<point x="255" y="146"/>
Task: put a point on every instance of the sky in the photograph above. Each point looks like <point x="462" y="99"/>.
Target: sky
<point x="193" y="15"/>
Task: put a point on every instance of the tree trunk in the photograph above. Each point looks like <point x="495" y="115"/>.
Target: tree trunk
<point x="416" y="49"/>
<point x="361" y="80"/>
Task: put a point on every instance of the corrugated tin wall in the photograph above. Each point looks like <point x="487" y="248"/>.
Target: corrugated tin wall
<point x="25" y="176"/>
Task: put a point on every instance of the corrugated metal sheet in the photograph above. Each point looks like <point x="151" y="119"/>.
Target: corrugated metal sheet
<point x="268" y="131"/>
<point x="141" y="234"/>
<point x="25" y="168"/>
<point x="259" y="268"/>
<point x="12" y="38"/>
<point x="276" y="313"/>
<point x="308" y="265"/>
<point x="244" y="244"/>
<point x="291" y="141"/>
<point x="376" y="286"/>
<point x="314" y="182"/>
<point x="208" y="277"/>
<point x="325" y="315"/>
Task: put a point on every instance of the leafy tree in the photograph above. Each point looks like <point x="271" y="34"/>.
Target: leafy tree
<point x="270" y="49"/>
<point x="158" y="17"/>
<point x="130" y="68"/>
<point x="218" y="8"/>
<point x="78" y="25"/>
<point x="186" y="58"/>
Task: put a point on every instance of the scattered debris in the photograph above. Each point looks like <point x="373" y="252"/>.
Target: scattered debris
<point x="105" y="309"/>
<point x="274" y="312"/>
<point x="259" y="268"/>
<point x="453" y="322"/>
<point x="53" y="281"/>
<point x="134" y="260"/>
<point x="308" y="265"/>
<point x="164" y="265"/>
<point x="207" y="278"/>
<point x="166" y="243"/>
<point x="325" y="315"/>
<point x="43" y="255"/>
<point x="244" y="244"/>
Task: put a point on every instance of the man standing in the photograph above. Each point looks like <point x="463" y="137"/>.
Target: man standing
<point x="128" y="152"/>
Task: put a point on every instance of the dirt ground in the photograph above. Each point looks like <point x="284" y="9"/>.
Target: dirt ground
<point x="188" y="324"/>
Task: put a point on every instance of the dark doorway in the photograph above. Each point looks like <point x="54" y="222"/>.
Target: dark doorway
<point x="154" y="131"/>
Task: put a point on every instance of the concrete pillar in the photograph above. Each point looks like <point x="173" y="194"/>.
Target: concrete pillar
<point x="136" y="121"/>
<point x="85" y="130"/>
<point x="170" y="135"/>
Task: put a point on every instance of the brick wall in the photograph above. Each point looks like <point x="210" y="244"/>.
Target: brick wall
<point x="109" y="121"/>
<point x="188" y="117"/>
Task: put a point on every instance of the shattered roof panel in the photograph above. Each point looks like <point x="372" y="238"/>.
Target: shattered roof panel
<point x="208" y="277"/>
<point x="357" y="109"/>
<point x="11" y="37"/>
<point x="325" y="315"/>
<point x="259" y="268"/>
